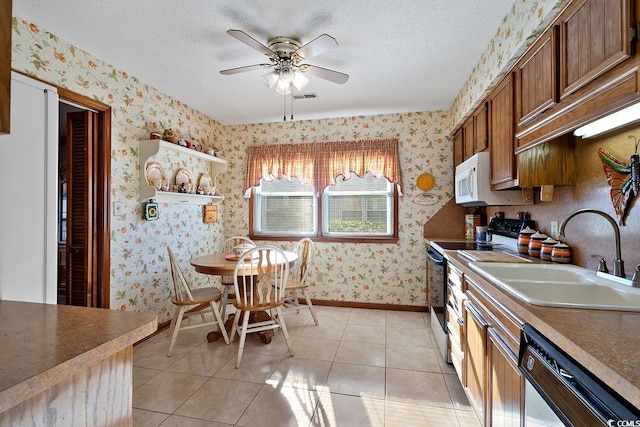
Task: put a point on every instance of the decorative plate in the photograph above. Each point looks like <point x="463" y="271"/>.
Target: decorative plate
<point x="425" y="181"/>
<point x="155" y="175"/>
<point x="205" y="185"/>
<point x="184" y="182"/>
<point x="183" y="176"/>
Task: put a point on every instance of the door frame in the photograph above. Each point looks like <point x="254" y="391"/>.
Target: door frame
<point x="102" y="193"/>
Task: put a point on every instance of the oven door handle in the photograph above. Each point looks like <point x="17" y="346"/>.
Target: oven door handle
<point x="436" y="257"/>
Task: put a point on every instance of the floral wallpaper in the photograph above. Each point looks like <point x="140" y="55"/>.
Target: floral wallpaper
<point x="363" y="273"/>
<point x="526" y="20"/>
<point x="140" y="275"/>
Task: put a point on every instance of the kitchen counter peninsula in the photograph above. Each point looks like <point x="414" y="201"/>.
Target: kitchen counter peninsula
<point x="65" y="365"/>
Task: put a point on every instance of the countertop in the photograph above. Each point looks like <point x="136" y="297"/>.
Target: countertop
<point x="42" y="343"/>
<point x="607" y="343"/>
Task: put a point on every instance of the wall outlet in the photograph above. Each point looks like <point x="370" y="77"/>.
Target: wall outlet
<point x="553" y="231"/>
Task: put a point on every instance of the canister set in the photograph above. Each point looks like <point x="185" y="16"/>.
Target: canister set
<point x="539" y="245"/>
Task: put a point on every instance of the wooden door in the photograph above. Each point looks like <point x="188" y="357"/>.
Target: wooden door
<point x="468" y="135"/>
<point x="475" y="337"/>
<point x="458" y="148"/>
<point x="505" y="384"/>
<point x="536" y="78"/>
<point x="480" y="128"/>
<point x="81" y="248"/>
<point x="5" y="65"/>
<point x="501" y="135"/>
<point x="594" y="37"/>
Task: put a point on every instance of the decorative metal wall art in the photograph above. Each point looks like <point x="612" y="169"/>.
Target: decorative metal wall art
<point x="624" y="179"/>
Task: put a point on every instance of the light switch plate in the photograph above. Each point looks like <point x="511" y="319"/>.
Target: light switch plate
<point x="118" y="209"/>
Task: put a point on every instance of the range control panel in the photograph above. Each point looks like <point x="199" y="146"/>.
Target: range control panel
<point x="509" y="227"/>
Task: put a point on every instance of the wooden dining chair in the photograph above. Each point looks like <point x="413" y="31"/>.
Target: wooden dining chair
<point x="299" y="274"/>
<point x="184" y="297"/>
<point x="260" y="280"/>
<point x="227" y="281"/>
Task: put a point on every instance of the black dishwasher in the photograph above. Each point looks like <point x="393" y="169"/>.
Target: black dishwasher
<point x="572" y="393"/>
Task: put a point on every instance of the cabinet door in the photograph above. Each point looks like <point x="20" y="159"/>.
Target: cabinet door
<point x="481" y="128"/>
<point x="468" y="134"/>
<point x="536" y="81"/>
<point x="475" y="337"/>
<point x="501" y="136"/>
<point x="505" y="383"/>
<point x="594" y="37"/>
<point x="458" y="147"/>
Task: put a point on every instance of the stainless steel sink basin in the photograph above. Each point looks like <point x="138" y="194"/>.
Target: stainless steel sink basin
<point x="556" y="285"/>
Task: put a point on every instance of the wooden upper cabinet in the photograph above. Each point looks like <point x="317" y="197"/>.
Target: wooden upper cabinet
<point x="5" y="65"/>
<point x="594" y="37"/>
<point x="481" y="128"/>
<point x="468" y="134"/>
<point x="536" y="78"/>
<point x="501" y="135"/>
<point x="475" y="132"/>
<point x="458" y="147"/>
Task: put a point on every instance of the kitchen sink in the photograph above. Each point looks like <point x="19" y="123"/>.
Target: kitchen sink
<point x="555" y="285"/>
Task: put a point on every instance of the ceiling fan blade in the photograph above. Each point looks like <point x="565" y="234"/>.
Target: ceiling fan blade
<point x="325" y="73"/>
<point x="250" y="41"/>
<point x="317" y="46"/>
<point x="245" y="69"/>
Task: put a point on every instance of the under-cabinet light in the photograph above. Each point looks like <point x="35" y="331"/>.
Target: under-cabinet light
<point x="610" y="122"/>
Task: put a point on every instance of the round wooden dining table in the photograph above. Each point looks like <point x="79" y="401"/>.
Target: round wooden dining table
<point x="224" y="264"/>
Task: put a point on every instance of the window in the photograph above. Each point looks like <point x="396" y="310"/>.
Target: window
<point x="357" y="208"/>
<point x="285" y="208"/>
<point x="299" y="190"/>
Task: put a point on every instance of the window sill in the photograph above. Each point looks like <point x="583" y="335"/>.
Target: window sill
<point x="378" y="240"/>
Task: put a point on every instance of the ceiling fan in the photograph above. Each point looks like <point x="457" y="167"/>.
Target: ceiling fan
<point x="286" y="56"/>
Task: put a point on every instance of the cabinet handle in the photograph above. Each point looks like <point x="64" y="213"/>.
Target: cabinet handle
<point x="475" y="315"/>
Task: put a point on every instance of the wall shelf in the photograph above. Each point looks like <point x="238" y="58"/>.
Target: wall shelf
<point x="194" y="161"/>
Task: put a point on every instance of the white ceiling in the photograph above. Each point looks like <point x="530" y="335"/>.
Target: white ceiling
<point x="401" y="56"/>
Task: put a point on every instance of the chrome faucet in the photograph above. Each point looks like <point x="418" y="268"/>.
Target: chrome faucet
<point x="618" y="265"/>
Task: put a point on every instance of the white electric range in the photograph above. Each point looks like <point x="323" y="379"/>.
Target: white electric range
<point x="502" y="235"/>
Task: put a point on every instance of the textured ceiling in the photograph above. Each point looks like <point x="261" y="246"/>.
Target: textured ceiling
<point x="401" y="56"/>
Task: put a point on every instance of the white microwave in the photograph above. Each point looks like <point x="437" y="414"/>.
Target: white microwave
<point x="473" y="185"/>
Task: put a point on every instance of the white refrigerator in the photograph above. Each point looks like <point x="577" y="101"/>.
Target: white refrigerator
<point x="29" y="194"/>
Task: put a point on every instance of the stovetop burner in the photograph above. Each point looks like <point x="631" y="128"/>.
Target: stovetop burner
<point x="503" y="233"/>
<point x="470" y="245"/>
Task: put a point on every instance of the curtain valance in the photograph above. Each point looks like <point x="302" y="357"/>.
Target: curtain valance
<point x="320" y="163"/>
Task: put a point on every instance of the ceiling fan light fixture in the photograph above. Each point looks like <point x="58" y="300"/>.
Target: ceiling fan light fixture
<point x="283" y="88"/>
<point x="270" y="78"/>
<point x="299" y="81"/>
<point x="287" y="74"/>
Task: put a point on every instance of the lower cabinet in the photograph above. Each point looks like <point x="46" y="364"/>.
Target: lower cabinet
<point x="505" y="384"/>
<point x="475" y="359"/>
<point x="489" y="334"/>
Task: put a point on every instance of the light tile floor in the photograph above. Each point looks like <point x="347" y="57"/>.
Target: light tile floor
<point x="359" y="367"/>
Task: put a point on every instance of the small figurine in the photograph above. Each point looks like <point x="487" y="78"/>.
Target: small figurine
<point x="170" y="135"/>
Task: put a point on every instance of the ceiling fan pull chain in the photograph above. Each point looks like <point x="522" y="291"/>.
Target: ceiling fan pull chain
<point x="291" y="102"/>
<point x="284" y="103"/>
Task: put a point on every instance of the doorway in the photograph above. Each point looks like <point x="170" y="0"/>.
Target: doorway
<point x="84" y="169"/>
